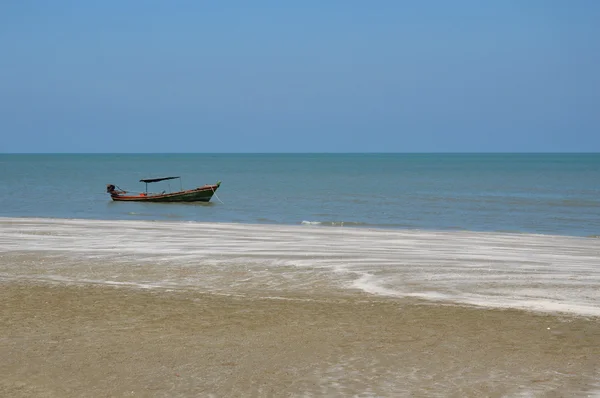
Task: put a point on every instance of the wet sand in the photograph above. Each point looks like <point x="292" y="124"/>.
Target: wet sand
<point x="102" y="341"/>
<point x="533" y="272"/>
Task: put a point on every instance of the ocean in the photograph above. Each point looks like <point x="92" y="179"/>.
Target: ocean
<point x="362" y="275"/>
<point x="555" y="194"/>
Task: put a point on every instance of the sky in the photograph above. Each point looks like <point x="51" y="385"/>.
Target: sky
<point x="306" y="76"/>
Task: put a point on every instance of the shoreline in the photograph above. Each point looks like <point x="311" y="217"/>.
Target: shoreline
<point x="302" y="225"/>
<point x="535" y="272"/>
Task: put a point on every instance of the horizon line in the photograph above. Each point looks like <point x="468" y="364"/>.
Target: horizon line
<point x="314" y="153"/>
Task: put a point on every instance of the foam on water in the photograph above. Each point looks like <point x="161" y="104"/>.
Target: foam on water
<point x="535" y="272"/>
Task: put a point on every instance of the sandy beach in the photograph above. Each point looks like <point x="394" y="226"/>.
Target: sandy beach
<point x="95" y="308"/>
<point x="102" y="341"/>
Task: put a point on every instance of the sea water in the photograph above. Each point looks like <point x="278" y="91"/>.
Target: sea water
<point x="524" y="193"/>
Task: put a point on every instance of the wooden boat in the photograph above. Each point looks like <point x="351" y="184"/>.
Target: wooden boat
<point x="200" y="194"/>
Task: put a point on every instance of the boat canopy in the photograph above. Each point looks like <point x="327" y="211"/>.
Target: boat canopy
<point x="157" y="179"/>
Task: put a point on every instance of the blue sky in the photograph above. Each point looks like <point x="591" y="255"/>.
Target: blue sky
<point x="309" y="76"/>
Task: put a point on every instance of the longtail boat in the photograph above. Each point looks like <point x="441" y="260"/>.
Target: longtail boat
<point x="200" y="194"/>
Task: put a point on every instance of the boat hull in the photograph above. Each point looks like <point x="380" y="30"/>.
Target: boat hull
<point x="201" y="194"/>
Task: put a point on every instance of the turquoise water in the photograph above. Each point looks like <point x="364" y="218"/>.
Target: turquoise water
<point x="535" y="193"/>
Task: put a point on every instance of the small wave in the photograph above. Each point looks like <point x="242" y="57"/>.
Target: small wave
<point x="139" y="214"/>
<point x="334" y="223"/>
<point x="355" y="224"/>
